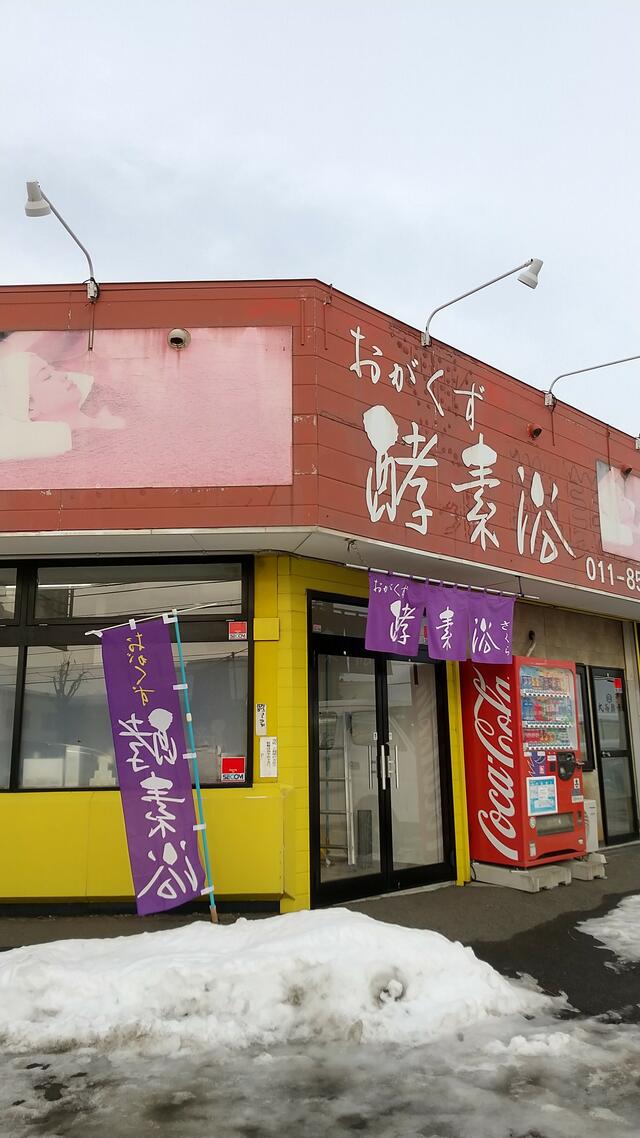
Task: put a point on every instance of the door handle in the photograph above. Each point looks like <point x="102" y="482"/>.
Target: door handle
<point x="370" y="764"/>
<point x="383" y="766"/>
<point x="395" y="765"/>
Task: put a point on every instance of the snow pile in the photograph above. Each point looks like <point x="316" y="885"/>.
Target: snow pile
<point x="306" y="976"/>
<point x="619" y="930"/>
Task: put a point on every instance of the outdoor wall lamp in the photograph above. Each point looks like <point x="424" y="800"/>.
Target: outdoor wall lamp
<point x="550" y="399"/>
<point x="529" y="277"/>
<point x="39" y="205"/>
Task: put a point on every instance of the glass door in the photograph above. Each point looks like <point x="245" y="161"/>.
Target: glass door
<point x="414" y="765"/>
<point x="349" y="845"/>
<point x="620" y="818"/>
<point x="380" y="785"/>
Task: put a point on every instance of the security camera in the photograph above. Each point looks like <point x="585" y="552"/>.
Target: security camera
<point x="626" y="471"/>
<point x="534" y="431"/>
<point x="179" y="338"/>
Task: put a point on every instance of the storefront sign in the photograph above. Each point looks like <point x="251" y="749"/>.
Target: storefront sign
<point x="269" y="757"/>
<point x="454" y="459"/>
<point x="490" y="628"/>
<point x="542" y="796"/>
<point x="233" y="768"/>
<point x="394" y="617"/>
<point x="217" y="413"/>
<point x="447" y="622"/>
<point x="152" y="764"/>
<point x="396" y="608"/>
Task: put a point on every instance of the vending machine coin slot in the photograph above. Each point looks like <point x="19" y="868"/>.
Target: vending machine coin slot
<point x="566" y="765"/>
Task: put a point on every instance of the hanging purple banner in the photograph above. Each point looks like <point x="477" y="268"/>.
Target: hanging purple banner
<point x="154" y="774"/>
<point x="491" y="628"/>
<point x="396" y="606"/>
<point x="447" y="622"/>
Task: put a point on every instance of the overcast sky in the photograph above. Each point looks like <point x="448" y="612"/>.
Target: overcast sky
<point x="404" y="150"/>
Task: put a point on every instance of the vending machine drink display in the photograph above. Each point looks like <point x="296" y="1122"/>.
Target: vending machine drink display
<point x="522" y="759"/>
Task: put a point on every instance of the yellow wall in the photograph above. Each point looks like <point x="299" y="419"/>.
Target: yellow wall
<point x="281" y="681"/>
<point x="458" y="785"/>
<point x="68" y="845"/>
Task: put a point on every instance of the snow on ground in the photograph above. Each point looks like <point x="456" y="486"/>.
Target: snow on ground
<point x="619" y="930"/>
<point x="253" y="1029"/>
<point x="504" y="1077"/>
<point x="312" y="976"/>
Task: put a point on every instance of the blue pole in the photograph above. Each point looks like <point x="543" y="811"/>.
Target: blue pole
<point x="196" y="771"/>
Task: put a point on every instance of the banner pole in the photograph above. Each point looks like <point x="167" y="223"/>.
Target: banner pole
<point x="196" y="770"/>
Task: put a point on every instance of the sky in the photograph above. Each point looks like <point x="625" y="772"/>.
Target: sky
<point x="403" y="150"/>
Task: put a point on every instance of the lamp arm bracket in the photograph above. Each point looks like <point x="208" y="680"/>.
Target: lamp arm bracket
<point x="71" y="234"/>
<point x="426" y="339"/>
<point x="549" y="397"/>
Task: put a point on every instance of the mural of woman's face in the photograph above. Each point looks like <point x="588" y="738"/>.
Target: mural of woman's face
<point x="52" y="395"/>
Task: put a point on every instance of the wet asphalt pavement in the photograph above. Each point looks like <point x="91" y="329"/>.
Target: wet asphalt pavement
<point x="535" y="934"/>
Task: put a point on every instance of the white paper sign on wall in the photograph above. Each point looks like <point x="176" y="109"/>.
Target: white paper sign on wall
<point x="269" y="756"/>
<point x="261" y="719"/>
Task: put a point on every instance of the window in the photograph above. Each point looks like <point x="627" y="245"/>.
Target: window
<point x="52" y="672"/>
<point x="609" y="707"/>
<point x="84" y="592"/>
<point x="584" y="725"/>
<point x="8" y="666"/>
<point x="337" y="618"/>
<point x="7" y="594"/>
<point x="218" y="677"/>
<point x="66" y="732"/>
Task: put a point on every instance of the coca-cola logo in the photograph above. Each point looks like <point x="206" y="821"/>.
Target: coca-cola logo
<point x="492" y="720"/>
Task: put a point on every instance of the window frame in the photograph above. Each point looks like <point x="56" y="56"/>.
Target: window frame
<point x="25" y="632"/>
<point x="207" y="615"/>
<point x="584" y="687"/>
<point x="11" y="622"/>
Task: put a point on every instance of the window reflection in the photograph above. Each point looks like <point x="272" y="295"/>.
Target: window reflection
<point x="66" y="736"/>
<point x="66" y="732"/>
<point x="83" y="592"/>
<point x="7" y="594"/>
<point x="8" y="665"/>
<point x="218" y="691"/>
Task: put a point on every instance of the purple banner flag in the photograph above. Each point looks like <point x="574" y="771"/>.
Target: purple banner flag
<point x="154" y="774"/>
<point x="491" y="628"/>
<point x="396" y="606"/>
<point x="447" y="622"/>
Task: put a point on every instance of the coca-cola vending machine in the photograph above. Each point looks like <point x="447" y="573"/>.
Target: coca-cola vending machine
<point x="522" y="760"/>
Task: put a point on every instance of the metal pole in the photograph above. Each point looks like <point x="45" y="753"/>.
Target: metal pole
<point x="69" y="231"/>
<point x="426" y="338"/>
<point x="196" y="770"/>
<point x="549" y="397"/>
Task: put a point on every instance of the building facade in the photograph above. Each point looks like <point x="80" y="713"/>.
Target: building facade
<point x="243" y="452"/>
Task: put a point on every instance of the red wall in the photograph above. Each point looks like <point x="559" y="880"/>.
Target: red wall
<point x="331" y="452"/>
